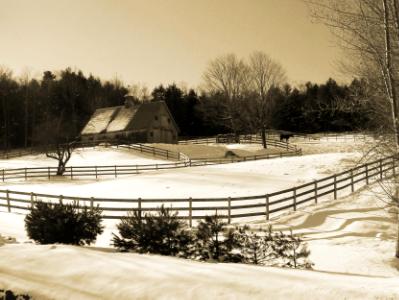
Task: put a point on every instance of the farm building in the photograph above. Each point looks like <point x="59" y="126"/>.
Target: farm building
<point x="149" y="122"/>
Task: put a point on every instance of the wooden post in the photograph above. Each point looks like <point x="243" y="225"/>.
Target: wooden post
<point x="229" y="211"/>
<point x="335" y="187"/>
<point x="352" y="184"/>
<point x="48" y="172"/>
<point x="32" y="199"/>
<point x="3" y="175"/>
<point x="139" y="207"/>
<point x="95" y="168"/>
<point x="71" y="172"/>
<point x="190" y="212"/>
<point x="267" y="207"/>
<point x="167" y="154"/>
<point x="60" y="199"/>
<point x="91" y="203"/>
<point x="315" y="191"/>
<point x="367" y="173"/>
<point x="116" y="173"/>
<point x="26" y="175"/>
<point x="8" y="200"/>
<point x="294" y="197"/>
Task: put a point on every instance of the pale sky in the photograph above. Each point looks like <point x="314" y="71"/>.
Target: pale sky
<point x="161" y="41"/>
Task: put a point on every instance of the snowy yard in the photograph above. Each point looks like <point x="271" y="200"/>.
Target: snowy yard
<point x="352" y="239"/>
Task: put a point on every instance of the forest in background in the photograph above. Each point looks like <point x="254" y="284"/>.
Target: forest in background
<point x="65" y="100"/>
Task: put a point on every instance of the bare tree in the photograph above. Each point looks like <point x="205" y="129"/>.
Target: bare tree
<point x="58" y="139"/>
<point x="231" y="76"/>
<point x="265" y="74"/>
<point x="368" y="31"/>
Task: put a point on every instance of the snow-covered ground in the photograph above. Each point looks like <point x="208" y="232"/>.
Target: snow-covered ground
<point x="238" y="179"/>
<point x="352" y="240"/>
<point x="85" y="157"/>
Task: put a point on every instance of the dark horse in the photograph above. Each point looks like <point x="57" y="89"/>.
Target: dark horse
<point x="285" y="137"/>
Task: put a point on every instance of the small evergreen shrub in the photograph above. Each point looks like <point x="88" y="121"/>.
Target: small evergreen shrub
<point x="9" y="295"/>
<point x="160" y="233"/>
<point x="215" y="242"/>
<point x="49" y="223"/>
<point x="290" y="251"/>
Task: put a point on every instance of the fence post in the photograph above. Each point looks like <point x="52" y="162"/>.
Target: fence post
<point x="71" y="172"/>
<point x="367" y="173"/>
<point x="26" y="175"/>
<point x="229" y="211"/>
<point x="167" y="154"/>
<point x="95" y="168"/>
<point x="190" y="212"/>
<point x="91" y="203"/>
<point x="139" y="207"/>
<point x="48" y="172"/>
<point x="335" y="187"/>
<point x="352" y="184"/>
<point x="294" y="197"/>
<point x="3" y="175"/>
<point x="60" y="199"/>
<point x="8" y="200"/>
<point x="116" y="173"/>
<point x="315" y="191"/>
<point x="32" y="199"/>
<point x="381" y="169"/>
<point x="267" y="207"/>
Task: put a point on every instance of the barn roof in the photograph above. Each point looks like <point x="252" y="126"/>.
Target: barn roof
<point x="118" y="118"/>
<point x="99" y="120"/>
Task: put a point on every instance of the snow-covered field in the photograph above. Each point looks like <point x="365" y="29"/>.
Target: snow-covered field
<point x="238" y="179"/>
<point x="352" y="239"/>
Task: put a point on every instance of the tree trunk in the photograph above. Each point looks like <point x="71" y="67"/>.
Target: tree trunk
<point x="263" y="133"/>
<point x="391" y="91"/>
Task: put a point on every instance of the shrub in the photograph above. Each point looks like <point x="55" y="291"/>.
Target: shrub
<point x="161" y="233"/>
<point x="290" y="251"/>
<point x="214" y="241"/>
<point x="9" y="295"/>
<point x="49" y="223"/>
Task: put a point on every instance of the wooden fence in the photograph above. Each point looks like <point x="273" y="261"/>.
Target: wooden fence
<point x="167" y="154"/>
<point x="227" y="208"/>
<point x="75" y="172"/>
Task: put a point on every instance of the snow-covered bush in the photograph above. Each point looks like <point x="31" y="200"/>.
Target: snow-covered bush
<point x="160" y="233"/>
<point x="49" y="223"/>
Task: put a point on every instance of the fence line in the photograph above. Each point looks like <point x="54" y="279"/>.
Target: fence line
<point x="120" y="170"/>
<point x="122" y="144"/>
<point x="227" y="208"/>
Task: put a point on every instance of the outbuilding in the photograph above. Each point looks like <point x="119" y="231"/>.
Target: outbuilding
<point x="148" y="122"/>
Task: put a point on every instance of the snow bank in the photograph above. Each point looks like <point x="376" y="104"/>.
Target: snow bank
<point x="67" y="272"/>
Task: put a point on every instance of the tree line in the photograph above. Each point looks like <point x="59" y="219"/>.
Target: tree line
<point x="60" y="103"/>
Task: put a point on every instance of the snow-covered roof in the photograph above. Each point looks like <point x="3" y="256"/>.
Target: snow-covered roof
<point x="100" y="120"/>
<point x="119" y="118"/>
<point x="122" y="119"/>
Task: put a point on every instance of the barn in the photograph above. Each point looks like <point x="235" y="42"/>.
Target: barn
<point x="149" y="122"/>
